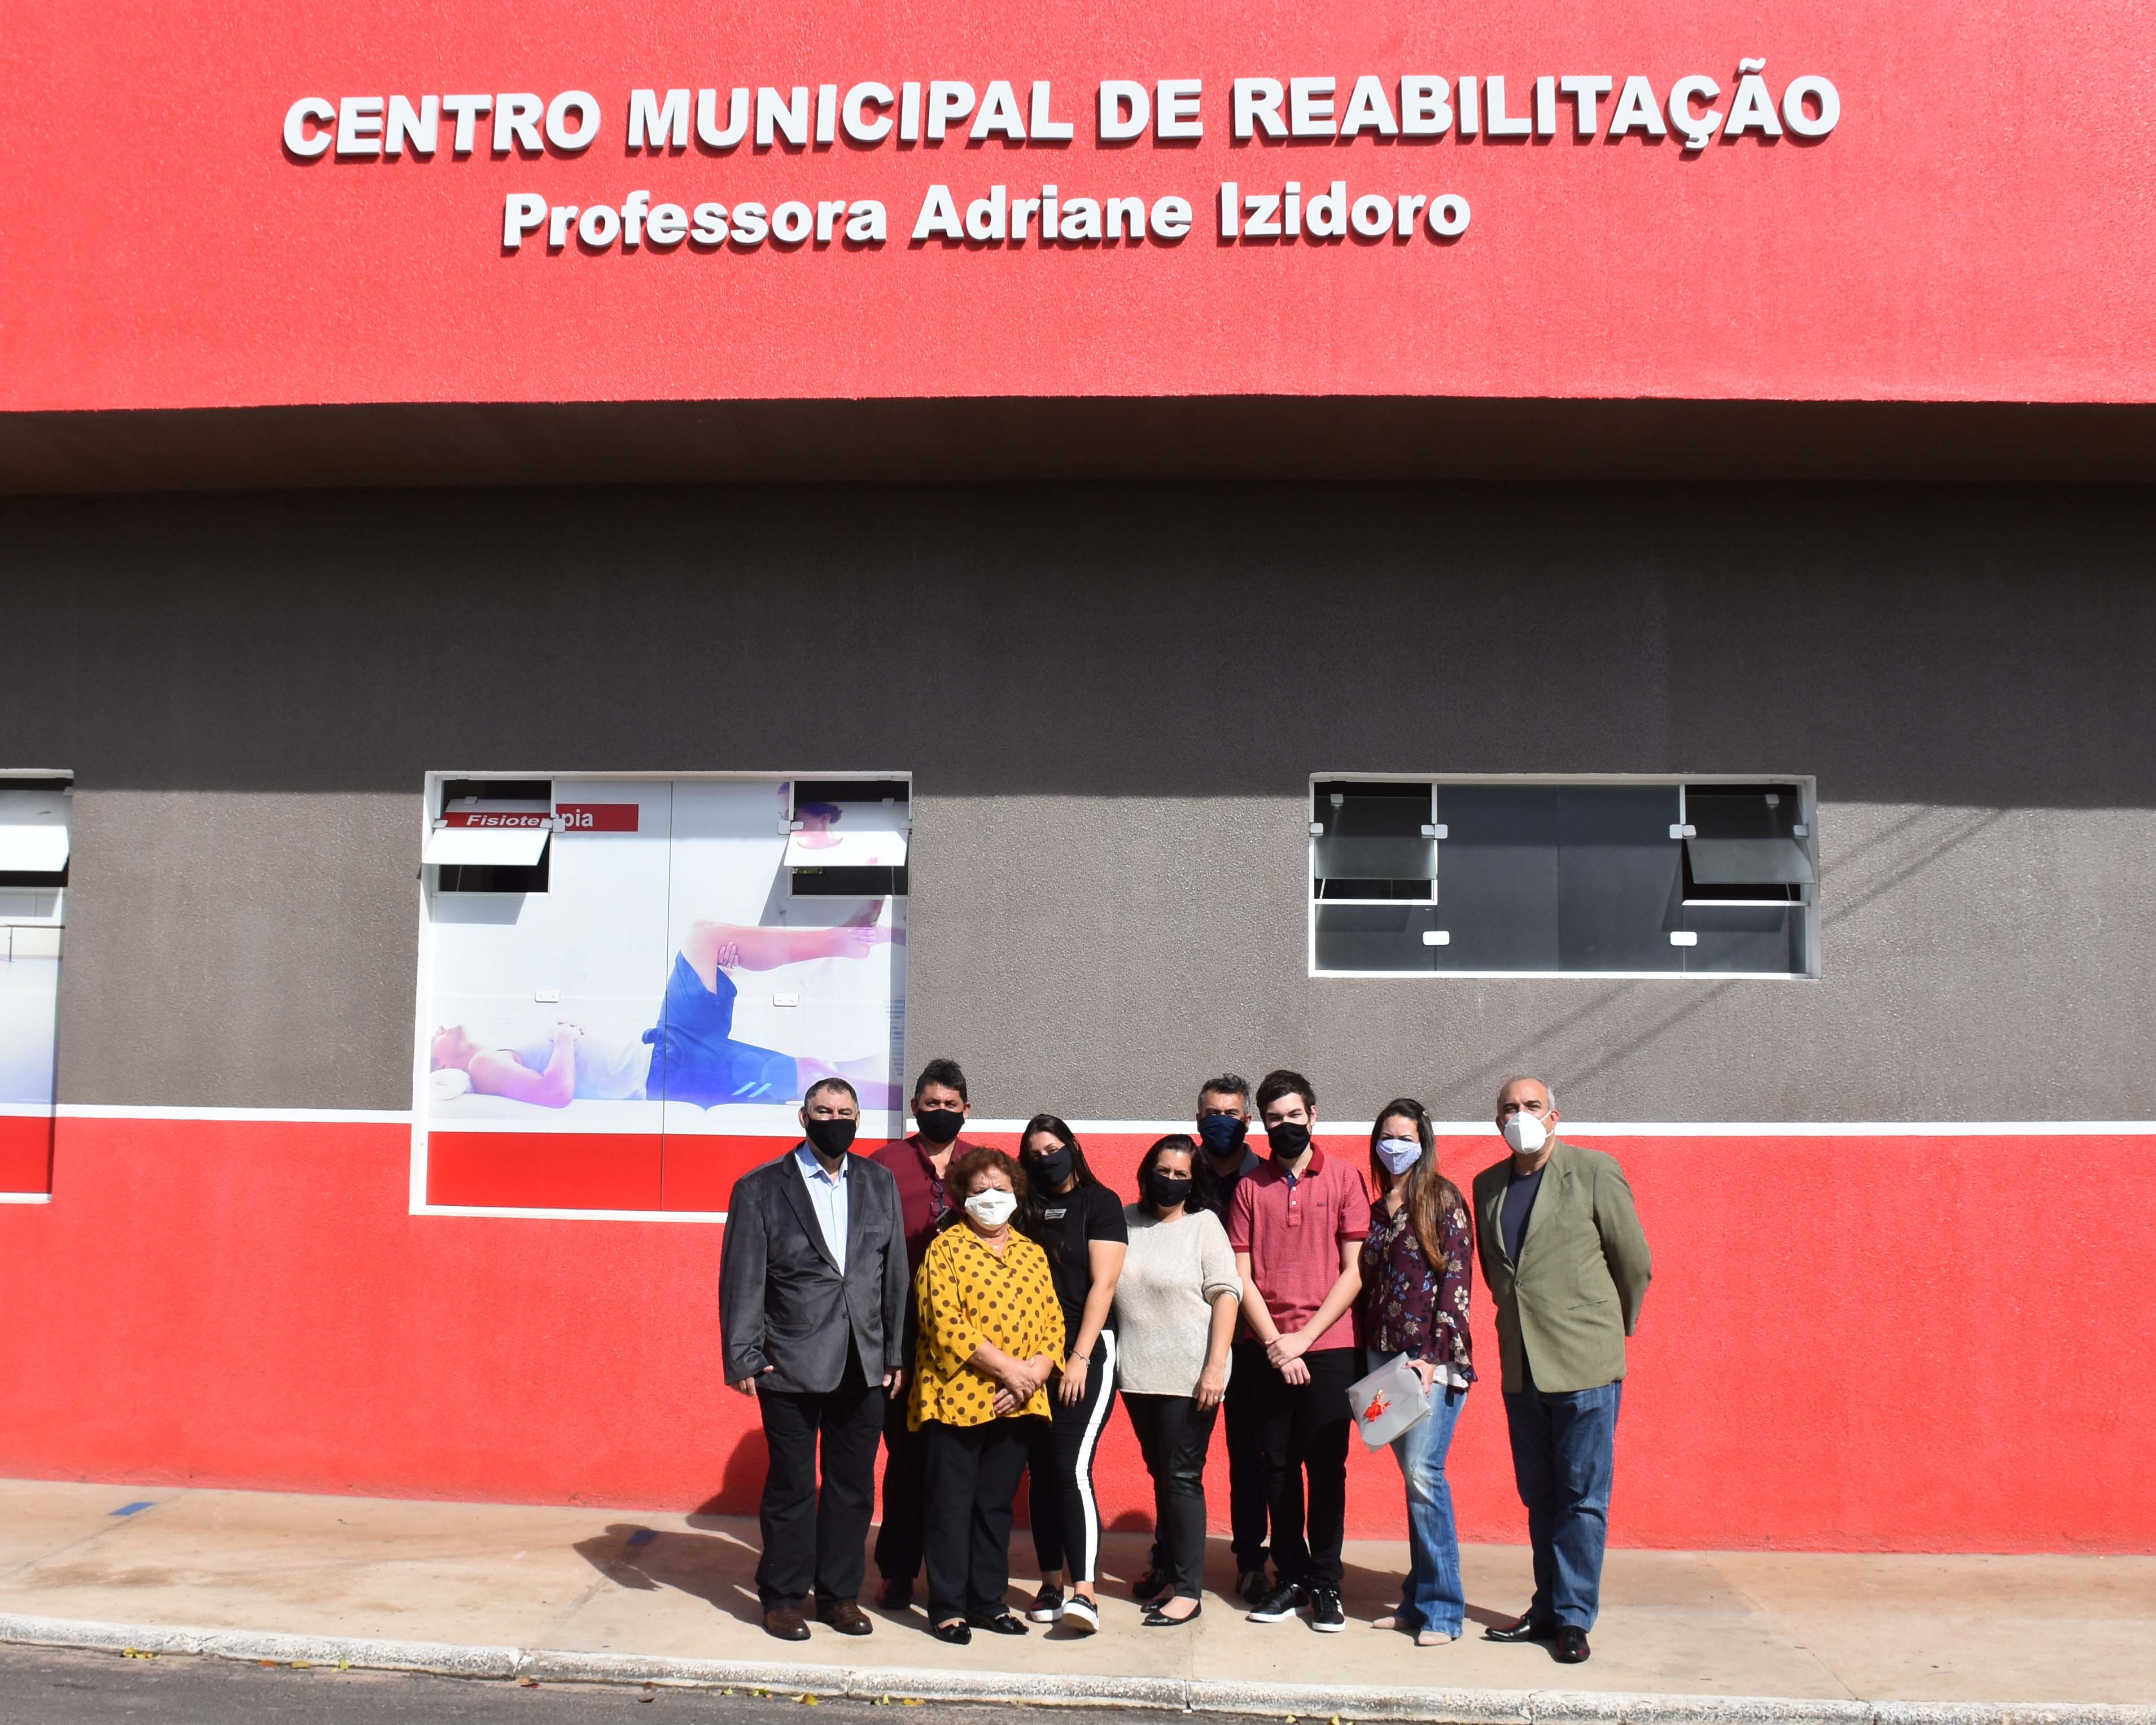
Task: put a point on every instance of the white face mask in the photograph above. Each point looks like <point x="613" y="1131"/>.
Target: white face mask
<point x="993" y="1207"/>
<point x="1525" y="1133"/>
<point x="1398" y="1155"/>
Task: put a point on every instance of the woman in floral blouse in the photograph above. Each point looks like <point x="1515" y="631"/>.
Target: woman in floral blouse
<point x="1415" y="1302"/>
<point x="991" y="1336"/>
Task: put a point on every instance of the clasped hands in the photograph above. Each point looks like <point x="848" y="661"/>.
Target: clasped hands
<point x="1020" y="1383"/>
<point x="1284" y="1354"/>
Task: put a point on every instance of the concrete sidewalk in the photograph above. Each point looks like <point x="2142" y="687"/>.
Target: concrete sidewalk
<point x="596" y="1593"/>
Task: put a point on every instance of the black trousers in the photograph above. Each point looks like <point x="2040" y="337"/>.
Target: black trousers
<point x="1066" y="1515"/>
<point x="1250" y="1490"/>
<point x="1304" y="1428"/>
<point x="1174" y="1435"/>
<point x="898" y="1540"/>
<point x="973" y="1474"/>
<point x="815" y="1535"/>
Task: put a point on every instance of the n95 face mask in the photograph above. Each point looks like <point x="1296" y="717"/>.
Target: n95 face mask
<point x="1525" y="1133"/>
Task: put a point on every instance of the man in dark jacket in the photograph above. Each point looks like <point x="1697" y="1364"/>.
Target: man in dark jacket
<point x="813" y="1291"/>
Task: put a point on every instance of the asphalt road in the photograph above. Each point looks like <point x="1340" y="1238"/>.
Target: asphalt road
<point x="42" y="1687"/>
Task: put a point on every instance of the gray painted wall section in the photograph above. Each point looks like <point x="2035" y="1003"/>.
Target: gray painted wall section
<point x="1112" y="698"/>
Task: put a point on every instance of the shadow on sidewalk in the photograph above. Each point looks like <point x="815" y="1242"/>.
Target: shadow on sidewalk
<point x="715" y="1567"/>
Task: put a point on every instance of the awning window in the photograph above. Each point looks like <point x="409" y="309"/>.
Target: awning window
<point x="1746" y="836"/>
<point x="847" y="835"/>
<point x="33" y="832"/>
<point x="1373" y="841"/>
<point x="485" y="846"/>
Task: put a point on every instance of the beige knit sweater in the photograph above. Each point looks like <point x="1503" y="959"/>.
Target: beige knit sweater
<point x="1174" y="1272"/>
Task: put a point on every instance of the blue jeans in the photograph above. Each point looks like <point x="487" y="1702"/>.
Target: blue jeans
<point x="1563" y="1460"/>
<point x="1431" y="1597"/>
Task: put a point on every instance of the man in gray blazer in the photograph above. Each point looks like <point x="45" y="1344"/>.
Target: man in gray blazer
<point x="1567" y="1264"/>
<point x="813" y="1288"/>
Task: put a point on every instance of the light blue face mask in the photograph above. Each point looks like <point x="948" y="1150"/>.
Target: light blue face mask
<point x="1399" y="1154"/>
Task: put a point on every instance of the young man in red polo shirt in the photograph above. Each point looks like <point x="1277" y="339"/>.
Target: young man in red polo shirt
<point x="1297" y="1225"/>
<point x="920" y="1161"/>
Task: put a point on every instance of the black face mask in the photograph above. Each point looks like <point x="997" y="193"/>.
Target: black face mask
<point x="1222" y="1132"/>
<point x="1288" y="1141"/>
<point x="939" y="1125"/>
<point x="1166" y="1191"/>
<point x="831" y="1137"/>
<point x="1049" y="1168"/>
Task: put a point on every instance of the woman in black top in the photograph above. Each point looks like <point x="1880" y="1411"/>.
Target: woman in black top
<point x="1080" y="1223"/>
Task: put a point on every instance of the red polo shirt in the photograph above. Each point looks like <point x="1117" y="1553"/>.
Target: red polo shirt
<point x="1292" y="1226"/>
<point x="921" y="1194"/>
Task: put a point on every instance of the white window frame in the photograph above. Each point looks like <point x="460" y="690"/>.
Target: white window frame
<point x="1807" y="786"/>
<point x="35" y="933"/>
<point x="422" y="1030"/>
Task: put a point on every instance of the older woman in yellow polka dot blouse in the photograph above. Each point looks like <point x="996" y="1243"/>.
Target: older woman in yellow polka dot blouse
<point x="991" y="1334"/>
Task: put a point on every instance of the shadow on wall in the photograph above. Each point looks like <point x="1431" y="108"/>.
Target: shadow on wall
<point x="1979" y="646"/>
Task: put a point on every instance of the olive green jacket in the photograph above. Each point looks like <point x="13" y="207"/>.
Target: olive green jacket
<point x="1575" y="1295"/>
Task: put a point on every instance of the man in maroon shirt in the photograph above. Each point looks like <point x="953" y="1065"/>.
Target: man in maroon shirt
<point x="920" y="1161"/>
<point x="1297" y="1226"/>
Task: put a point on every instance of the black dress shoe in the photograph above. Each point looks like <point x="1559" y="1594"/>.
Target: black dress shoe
<point x="1155" y="1618"/>
<point x="896" y="1595"/>
<point x="845" y="1616"/>
<point x="1527" y="1629"/>
<point x="1572" y="1648"/>
<point x="1006" y="1622"/>
<point x="957" y="1633"/>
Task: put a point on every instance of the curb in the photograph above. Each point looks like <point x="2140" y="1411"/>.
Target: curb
<point x="1202" y="1694"/>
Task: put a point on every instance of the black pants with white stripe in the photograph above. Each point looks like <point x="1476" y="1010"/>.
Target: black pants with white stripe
<point x="1066" y="1518"/>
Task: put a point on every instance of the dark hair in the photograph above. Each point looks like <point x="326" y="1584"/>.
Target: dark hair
<point x="1430" y="1195"/>
<point x="834" y="1082"/>
<point x="959" y="1174"/>
<point x="1050" y="1123"/>
<point x="943" y="1072"/>
<point x="1278" y="1082"/>
<point x="1228" y="1084"/>
<point x="1202" y="1180"/>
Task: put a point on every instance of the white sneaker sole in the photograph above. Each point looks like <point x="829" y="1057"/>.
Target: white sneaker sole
<point x="1287" y="1616"/>
<point x="1077" y="1617"/>
<point x="1326" y="1628"/>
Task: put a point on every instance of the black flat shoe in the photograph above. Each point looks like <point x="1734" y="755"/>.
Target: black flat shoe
<point x="957" y="1633"/>
<point x="1006" y="1622"/>
<point x="1527" y="1629"/>
<point x="1155" y="1618"/>
<point x="1572" y="1648"/>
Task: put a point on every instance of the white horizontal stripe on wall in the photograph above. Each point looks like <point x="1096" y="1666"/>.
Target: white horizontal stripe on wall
<point x="1156" y="1128"/>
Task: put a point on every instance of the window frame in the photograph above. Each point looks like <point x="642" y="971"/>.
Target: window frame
<point x="422" y="1029"/>
<point x="1805" y="784"/>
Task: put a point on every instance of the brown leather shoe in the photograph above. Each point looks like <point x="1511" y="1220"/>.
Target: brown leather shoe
<point x="844" y="1616"/>
<point x="787" y="1623"/>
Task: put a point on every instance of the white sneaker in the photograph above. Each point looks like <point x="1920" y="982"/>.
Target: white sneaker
<point x="1079" y="1613"/>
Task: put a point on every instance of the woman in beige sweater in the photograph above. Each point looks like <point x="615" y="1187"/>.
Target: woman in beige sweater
<point x="1176" y="1303"/>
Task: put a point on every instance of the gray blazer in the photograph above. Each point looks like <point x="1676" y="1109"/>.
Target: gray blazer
<point x="782" y="1302"/>
<point x="1567" y="1307"/>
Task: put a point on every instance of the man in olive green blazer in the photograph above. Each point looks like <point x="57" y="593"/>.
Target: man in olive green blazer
<point x="1568" y="1266"/>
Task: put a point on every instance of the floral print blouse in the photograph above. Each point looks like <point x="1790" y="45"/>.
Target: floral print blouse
<point x="1406" y="1306"/>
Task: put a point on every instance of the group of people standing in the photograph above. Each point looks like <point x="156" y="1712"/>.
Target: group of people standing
<point x="979" y="1311"/>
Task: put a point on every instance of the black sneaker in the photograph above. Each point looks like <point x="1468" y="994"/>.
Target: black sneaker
<point x="1326" y="1615"/>
<point x="1280" y="1605"/>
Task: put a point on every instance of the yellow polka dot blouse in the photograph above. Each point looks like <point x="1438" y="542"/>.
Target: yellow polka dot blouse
<point x="968" y="1295"/>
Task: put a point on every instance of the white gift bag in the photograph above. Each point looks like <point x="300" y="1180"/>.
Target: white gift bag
<point x="1388" y="1402"/>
